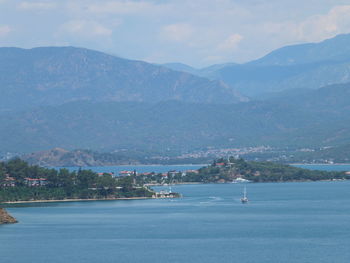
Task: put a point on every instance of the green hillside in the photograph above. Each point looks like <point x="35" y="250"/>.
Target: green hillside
<point x="316" y="118"/>
<point x="57" y="75"/>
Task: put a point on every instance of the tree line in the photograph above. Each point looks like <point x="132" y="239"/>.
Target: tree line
<point x="227" y="170"/>
<point x="63" y="184"/>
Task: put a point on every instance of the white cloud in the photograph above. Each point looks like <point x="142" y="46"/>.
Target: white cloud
<point x="37" y="5"/>
<point x="177" y="32"/>
<point x="314" y="28"/>
<point x="319" y="27"/>
<point x="85" y="28"/>
<point x="197" y="32"/>
<point x="230" y="43"/>
<point x="120" y="7"/>
<point x="116" y="7"/>
<point x="4" y="30"/>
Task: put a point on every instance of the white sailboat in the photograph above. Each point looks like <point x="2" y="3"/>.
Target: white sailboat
<point x="244" y="199"/>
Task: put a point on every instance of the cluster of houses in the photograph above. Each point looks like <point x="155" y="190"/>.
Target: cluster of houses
<point x="31" y="182"/>
<point x="165" y="194"/>
<point x="9" y="181"/>
<point x="127" y="173"/>
<point x="164" y="175"/>
<point x="35" y="181"/>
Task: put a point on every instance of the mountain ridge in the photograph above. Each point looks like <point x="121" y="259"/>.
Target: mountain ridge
<point x="57" y="75"/>
<point x="318" y="118"/>
<point x="301" y="66"/>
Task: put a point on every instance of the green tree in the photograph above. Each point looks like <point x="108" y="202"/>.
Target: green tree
<point x="86" y="179"/>
<point x="126" y="183"/>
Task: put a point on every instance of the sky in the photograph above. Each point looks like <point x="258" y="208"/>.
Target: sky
<point x="195" y="32"/>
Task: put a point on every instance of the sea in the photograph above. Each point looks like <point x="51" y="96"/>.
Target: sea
<point x="138" y="168"/>
<point x="181" y="168"/>
<point x="283" y="223"/>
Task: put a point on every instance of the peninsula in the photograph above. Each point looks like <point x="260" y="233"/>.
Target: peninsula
<point x="24" y="183"/>
<point x="239" y="170"/>
<point x="20" y="181"/>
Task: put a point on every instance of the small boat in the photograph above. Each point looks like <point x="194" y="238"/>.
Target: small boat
<point x="244" y="199"/>
<point x="240" y="180"/>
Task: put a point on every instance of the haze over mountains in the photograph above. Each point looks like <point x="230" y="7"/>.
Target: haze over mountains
<point x="82" y="99"/>
<point x="304" y="66"/>
<point x="56" y="75"/>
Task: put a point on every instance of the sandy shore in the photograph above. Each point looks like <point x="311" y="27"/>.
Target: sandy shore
<point x="75" y="200"/>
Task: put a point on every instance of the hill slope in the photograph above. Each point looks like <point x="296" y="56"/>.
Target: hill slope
<point x="333" y="49"/>
<point x="299" y="66"/>
<point x="317" y="118"/>
<point x="57" y="75"/>
<point x="61" y="157"/>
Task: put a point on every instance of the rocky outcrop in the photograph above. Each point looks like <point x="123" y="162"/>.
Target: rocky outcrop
<point x="5" y="218"/>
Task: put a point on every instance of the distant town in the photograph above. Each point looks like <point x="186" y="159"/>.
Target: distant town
<point x="61" y="157"/>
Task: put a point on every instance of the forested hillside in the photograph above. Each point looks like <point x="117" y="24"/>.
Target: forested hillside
<point x="316" y="118"/>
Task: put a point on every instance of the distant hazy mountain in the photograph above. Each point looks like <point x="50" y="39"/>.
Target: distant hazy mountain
<point x="62" y="157"/>
<point x="81" y="99"/>
<point x="314" y="118"/>
<point x="334" y="49"/>
<point x="182" y="67"/>
<point x="305" y="66"/>
<point x="208" y="72"/>
<point x="56" y="75"/>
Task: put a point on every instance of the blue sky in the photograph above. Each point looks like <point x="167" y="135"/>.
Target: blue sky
<point x="195" y="32"/>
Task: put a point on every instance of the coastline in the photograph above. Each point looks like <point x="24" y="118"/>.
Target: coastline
<point x="145" y="198"/>
<point x="252" y="182"/>
<point x="128" y="165"/>
<point x="75" y="200"/>
<point x="6" y="218"/>
<point x="183" y="164"/>
<point x="181" y="183"/>
<point x="326" y="164"/>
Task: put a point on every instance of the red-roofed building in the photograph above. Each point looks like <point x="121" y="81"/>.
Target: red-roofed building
<point x="126" y="173"/>
<point x="35" y="181"/>
<point x="9" y="181"/>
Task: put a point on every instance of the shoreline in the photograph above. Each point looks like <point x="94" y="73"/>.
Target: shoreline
<point x="327" y="164"/>
<point x="182" y="183"/>
<point x="191" y="164"/>
<point x="159" y="185"/>
<point x="251" y="182"/>
<point x="127" y="165"/>
<point x="75" y="200"/>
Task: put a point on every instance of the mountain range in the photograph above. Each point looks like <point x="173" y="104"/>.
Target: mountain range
<point x="56" y="75"/>
<point x="303" y="66"/>
<point x="316" y="118"/>
<point x="76" y="98"/>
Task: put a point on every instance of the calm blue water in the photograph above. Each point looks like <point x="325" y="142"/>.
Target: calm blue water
<point x="325" y="167"/>
<point x="166" y="168"/>
<point x="138" y="168"/>
<point x="284" y="222"/>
